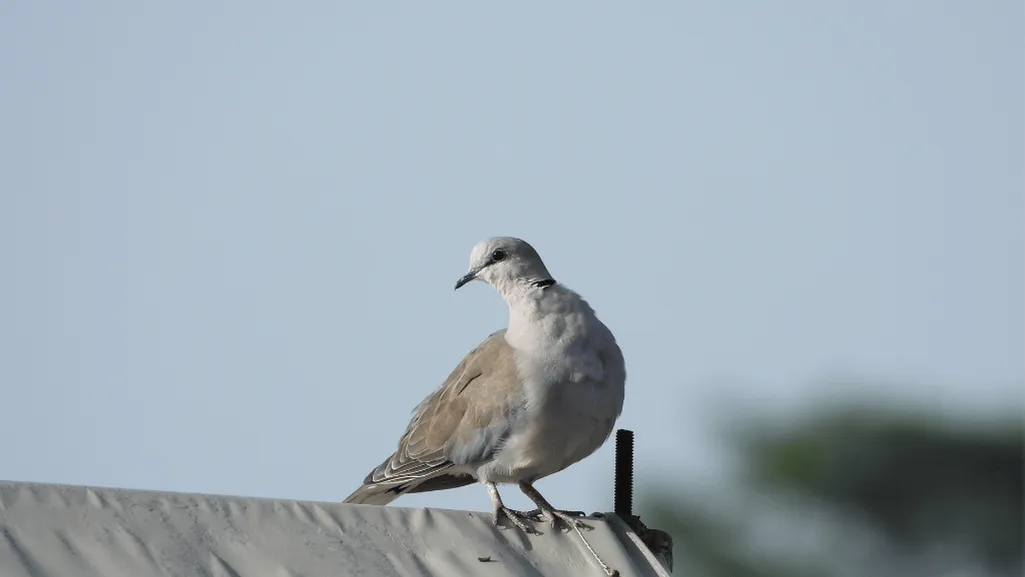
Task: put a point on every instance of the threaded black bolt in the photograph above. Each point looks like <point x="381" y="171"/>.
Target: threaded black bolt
<point x="624" y="482"/>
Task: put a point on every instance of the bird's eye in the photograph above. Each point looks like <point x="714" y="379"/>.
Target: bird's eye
<point x="498" y="255"/>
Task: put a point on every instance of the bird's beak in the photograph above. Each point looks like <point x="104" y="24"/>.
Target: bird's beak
<point x="466" y="278"/>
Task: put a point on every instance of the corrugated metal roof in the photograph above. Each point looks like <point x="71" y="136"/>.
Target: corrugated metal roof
<point x="70" y="531"/>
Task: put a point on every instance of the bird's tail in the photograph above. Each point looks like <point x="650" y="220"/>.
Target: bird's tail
<point x="373" y="494"/>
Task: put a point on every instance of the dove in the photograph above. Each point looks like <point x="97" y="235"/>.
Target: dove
<point x="529" y="401"/>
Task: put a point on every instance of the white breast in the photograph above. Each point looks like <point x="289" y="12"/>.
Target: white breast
<point x="573" y="374"/>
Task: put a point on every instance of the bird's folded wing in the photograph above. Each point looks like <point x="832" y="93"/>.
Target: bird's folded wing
<point x="460" y="424"/>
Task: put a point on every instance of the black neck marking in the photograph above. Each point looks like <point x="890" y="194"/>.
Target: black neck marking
<point x="544" y="283"/>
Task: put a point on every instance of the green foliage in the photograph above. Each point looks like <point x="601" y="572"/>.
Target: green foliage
<point x="922" y="488"/>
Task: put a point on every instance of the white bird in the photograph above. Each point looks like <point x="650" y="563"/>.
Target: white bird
<point x="528" y="402"/>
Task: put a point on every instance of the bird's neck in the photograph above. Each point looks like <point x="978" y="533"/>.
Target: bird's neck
<point x="531" y="305"/>
<point x="525" y="290"/>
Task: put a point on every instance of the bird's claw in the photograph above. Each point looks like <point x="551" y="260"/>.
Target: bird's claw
<point x="518" y="518"/>
<point x="554" y="515"/>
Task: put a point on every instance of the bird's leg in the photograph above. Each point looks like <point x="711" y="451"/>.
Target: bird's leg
<point x="518" y="518"/>
<point x="546" y="508"/>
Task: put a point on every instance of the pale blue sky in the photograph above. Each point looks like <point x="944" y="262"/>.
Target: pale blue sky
<point x="229" y="231"/>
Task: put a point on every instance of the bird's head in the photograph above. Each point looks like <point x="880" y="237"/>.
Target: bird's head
<point x="505" y="262"/>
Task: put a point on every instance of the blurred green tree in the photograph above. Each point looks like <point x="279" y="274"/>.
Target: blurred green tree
<point x="857" y="491"/>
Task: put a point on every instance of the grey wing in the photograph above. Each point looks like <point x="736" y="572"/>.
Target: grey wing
<point x="460" y="424"/>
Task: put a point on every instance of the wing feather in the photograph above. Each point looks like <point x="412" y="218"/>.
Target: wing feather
<point x="463" y="422"/>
